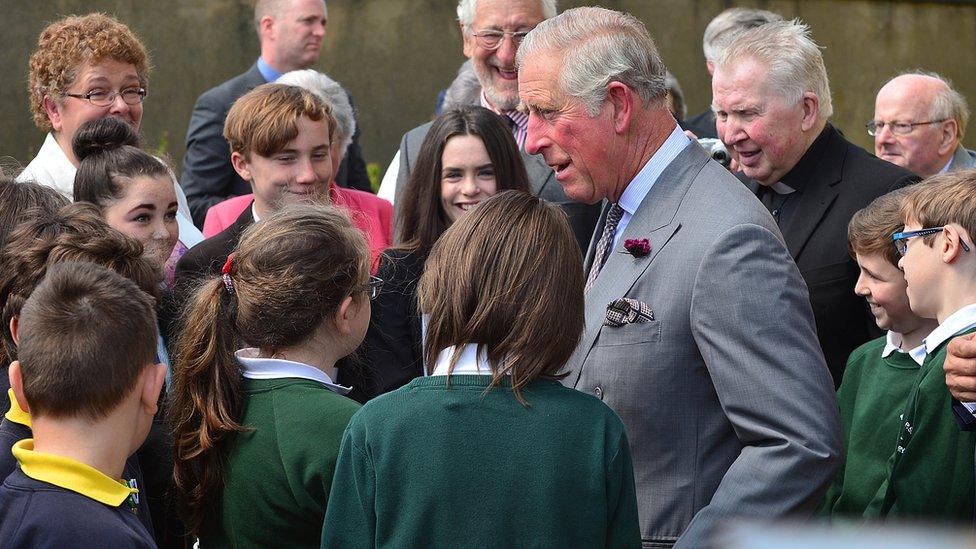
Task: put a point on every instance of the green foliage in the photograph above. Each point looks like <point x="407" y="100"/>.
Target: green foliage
<point x="373" y="171"/>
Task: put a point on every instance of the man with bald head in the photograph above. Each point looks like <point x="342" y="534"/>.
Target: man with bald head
<point x="919" y="122"/>
<point x="290" y="33"/>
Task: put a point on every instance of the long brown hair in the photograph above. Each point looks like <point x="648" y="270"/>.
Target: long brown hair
<point x="509" y="278"/>
<point x="289" y="273"/>
<point x="423" y="216"/>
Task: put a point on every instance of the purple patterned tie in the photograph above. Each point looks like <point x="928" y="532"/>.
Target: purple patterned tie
<point x="605" y="244"/>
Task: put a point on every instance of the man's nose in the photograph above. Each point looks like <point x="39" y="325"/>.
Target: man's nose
<point x="506" y="51"/>
<point x="534" y="137"/>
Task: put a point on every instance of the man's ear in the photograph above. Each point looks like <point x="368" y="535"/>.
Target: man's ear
<point x="16" y="378"/>
<point x="53" y="113"/>
<point x="266" y="28"/>
<point x="152" y="378"/>
<point x="343" y="316"/>
<point x="811" y="110"/>
<point x="467" y="42"/>
<point x="623" y="100"/>
<point x="241" y="165"/>
<point x="15" y="329"/>
<point x="949" y="136"/>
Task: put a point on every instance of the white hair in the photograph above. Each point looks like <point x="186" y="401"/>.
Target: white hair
<point x="599" y="46"/>
<point x="466" y="10"/>
<point x="793" y="61"/>
<point x="729" y="24"/>
<point x="332" y="94"/>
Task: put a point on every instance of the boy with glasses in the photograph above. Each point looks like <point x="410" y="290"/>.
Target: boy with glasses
<point x="929" y="474"/>
<point x="879" y="375"/>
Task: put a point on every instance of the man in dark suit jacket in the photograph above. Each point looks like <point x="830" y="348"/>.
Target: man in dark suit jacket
<point x="500" y="95"/>
<point x="291" y="33"/>
<point x="806" y="173"/>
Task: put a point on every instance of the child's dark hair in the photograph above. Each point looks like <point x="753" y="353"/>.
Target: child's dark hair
<point x="288" y="275"/>
<point x="108" y="154"/>
<point x="86" y="333"/>
<point x="77" y="232"/>
<point x="20" y="202"/>
<point x="870" y="229"/>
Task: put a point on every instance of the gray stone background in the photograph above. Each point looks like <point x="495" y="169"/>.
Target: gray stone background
<point x="394" y="55"/>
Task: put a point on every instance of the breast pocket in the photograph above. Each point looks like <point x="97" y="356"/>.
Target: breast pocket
<point x="629" y="334"/>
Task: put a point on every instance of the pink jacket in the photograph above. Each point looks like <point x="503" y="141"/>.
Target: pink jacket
<point x="370" y="214"/>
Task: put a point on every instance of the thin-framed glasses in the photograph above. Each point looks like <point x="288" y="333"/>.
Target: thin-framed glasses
<point x="373" y="287"/>
<point x="901" y="239"/>
<point x="874" y="127"/>
<point x="105" y="98"/>
<point x="492" y="39"/>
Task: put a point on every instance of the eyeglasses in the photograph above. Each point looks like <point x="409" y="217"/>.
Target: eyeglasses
<point x="372" y="288"/>
<point x="492" y="39"/>
<point x="901" y="239"/>
<point x="103" y="98"/>
<point x="874" y="127"/>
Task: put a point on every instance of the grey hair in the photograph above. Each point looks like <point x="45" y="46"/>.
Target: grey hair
<point x="464" y="90"/>
<point x="599" y="46"/>
<point x="948" y="103"/>
<point x="729" y="24"/>
<point x="793" y="61"/>
<point x="332" y="94"/>
<point x="467" y="8"/>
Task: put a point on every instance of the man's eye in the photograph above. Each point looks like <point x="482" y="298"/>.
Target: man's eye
<point x="284" y="158"/>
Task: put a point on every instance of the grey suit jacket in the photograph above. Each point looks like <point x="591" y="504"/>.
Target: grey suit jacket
<point x="582" y="217"/>
<point x="962" y="159"/>
<point x="728" y="403"/>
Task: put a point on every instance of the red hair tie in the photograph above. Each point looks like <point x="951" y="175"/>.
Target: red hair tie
<point x="225" y="273"/>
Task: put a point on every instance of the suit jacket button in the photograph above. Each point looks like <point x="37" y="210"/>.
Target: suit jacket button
<point x="598" y="392"/>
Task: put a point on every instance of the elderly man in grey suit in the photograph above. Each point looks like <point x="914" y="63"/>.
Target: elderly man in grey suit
<point x="919" y="122"/>
<point x="699" y="332"/>
<point x="492" y="31"/>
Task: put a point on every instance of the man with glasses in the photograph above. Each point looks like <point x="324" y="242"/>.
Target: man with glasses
<point x="771" y="97"/>
<point x="492" y="31"/>
<point x="919" y="122"/>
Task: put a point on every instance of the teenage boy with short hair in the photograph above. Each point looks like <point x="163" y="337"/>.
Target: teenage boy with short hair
<point x="929" y="474"/>
<point x="87" y="375"/>
<point x="879" y="374"/>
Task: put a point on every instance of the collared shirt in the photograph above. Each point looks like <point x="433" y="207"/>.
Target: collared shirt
<point x="638" y="188"/>
<point x="267" y="71"/>
<point x="16" y="414"/>
<point x="946" y="168"/>
<point x="256" y="367"/>
<point x="893" y="344"/>
<point x="518" y="121"/>
<point x="959" y="321"/>
<point x="471" y="362"/>
<point x="71" y="475"/>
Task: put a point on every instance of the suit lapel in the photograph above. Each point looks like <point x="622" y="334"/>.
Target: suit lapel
<point x="817" y="196"/>
<point x="656" y="220"/>
<point x="540" y="174"/>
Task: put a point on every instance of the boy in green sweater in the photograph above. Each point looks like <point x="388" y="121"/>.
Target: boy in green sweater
<point x="879" y="374"/>
<point x="929" y="474"/>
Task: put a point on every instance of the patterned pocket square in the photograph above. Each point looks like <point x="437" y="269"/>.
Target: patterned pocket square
<point x="627" y="311"/>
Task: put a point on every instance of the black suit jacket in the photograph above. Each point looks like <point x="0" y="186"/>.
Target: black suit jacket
<point x="838" y="178"/>
<point x="207" y="258"/>
<point x="208" y="176"/>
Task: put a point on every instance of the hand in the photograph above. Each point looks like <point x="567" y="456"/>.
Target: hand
<point x="960" y="368"/>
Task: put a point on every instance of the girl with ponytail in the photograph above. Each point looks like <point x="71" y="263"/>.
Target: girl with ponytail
<point x="257" y="425"/>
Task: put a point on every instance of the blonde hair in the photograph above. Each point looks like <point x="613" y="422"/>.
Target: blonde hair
<point x="266" y="118"/>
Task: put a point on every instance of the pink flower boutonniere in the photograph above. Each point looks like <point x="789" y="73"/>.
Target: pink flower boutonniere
<point x="637" y="247"/>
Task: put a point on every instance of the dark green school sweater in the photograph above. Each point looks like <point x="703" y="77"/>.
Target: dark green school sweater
<point x="871" y="399"/>
<point x="432" y="466"/>
<point x="929" y="474"/>
<point x="278" y="476"/>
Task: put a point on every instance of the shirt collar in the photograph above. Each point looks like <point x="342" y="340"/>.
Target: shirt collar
<point x="71" y="475"/>
<point x="638" y="188"/>
<point x="947" y="167"/>
<point x="520" y="119"/>
<point x="893" y="344"/>
<point x="959" y="321"/>
<point x="470" y="361"/>
<point x="16" y="414"/>
<point x="256" y="367"/>
<point x="267" y="71"/>
<point x="254" y="213"/>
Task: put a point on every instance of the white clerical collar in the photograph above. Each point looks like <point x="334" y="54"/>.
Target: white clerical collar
<point x="893" y="344"/>
<point x="782" y="188"/>
<point x="638" y="188"/>
<point x="959" y="321"/>
<point x="256" y="367"/>
<point x="471" y="362"/>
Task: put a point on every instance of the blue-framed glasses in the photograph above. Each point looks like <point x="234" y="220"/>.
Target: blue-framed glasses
<point x="901" y="239"/>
